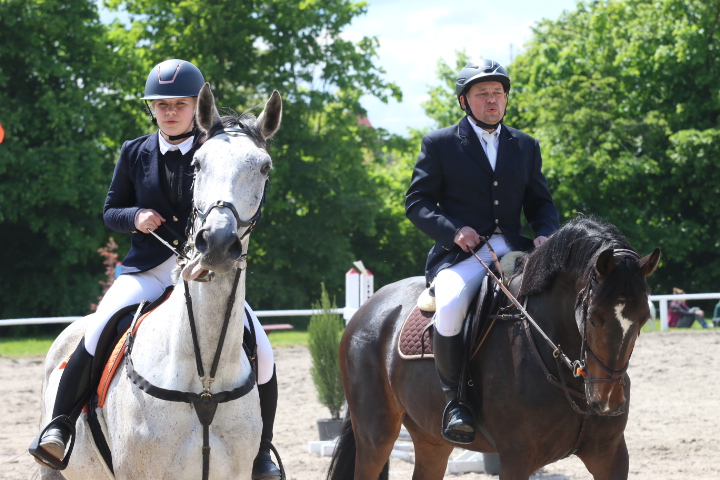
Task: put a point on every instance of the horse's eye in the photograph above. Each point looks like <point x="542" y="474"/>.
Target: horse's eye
<point x="196" y="164"/>
<point x="266" y="168"/>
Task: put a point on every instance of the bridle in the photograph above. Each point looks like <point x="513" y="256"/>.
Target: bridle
<point x="197" y="214"/>
<point x="577" y="367"/>
<point x="583" y="304"/>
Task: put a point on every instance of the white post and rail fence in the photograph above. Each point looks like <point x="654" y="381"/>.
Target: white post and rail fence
<point x="359" y="287"/>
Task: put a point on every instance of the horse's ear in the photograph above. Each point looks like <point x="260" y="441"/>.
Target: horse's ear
<point x="269" y="120"/>
<point x="207" y="113"/>
<point x="605" y="263"/>
<point x="649" y="264"/>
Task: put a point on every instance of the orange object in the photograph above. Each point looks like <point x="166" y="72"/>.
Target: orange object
<point x="580" y="371"/>
<point x="2" y="133"/>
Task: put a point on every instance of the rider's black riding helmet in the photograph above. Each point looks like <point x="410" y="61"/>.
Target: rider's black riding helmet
<point x="476" y="72"/>
<point x="173" y="79"/>
<point x="483" y="71"/>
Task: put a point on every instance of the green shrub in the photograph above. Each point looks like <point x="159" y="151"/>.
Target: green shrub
<point x="324" y="332"/>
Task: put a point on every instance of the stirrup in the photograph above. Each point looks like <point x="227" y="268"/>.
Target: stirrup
<point x="43" y="456"/>
<point x="451" y="435"/>
<point x="268" y="444"/>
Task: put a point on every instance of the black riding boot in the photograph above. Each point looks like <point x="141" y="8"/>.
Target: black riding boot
<point x="263" y="466"/>
<point x="73" y="393"/>
<point x="460" y="427"/>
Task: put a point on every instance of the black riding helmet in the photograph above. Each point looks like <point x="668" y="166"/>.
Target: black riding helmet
<point x="476" y="72"/>
<point x="173" y="79"/>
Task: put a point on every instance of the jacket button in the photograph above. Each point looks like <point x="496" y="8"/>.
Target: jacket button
<point x="497" y="221"/>
<point x="175" y="242"/>
<point x="175" y="219"/>
<point x="495" y="184"/>
<point x="496" y="202"/>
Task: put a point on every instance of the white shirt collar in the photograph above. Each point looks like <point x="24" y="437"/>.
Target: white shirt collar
<point x="479" y="131"/>
<point x="166" y="146"/>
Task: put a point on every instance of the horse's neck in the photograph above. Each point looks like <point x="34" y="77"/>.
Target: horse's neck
<point x="556" y="310"/>
<point x="209" y="304"/>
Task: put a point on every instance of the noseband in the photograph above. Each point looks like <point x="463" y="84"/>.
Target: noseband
<point x="583" y="300"/>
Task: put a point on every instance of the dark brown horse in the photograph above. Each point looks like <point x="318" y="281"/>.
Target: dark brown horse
<point x="584" y="282"/>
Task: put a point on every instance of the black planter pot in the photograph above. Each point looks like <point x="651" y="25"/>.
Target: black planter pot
<point x="329" y="428"/>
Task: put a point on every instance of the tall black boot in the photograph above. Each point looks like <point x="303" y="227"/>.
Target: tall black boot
<point x="448" y="351"/>
<point x="263" y="466"/>
<point x="73" y="393"/>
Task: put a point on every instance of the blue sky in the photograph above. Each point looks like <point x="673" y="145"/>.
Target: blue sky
<point x="414" y="35"/>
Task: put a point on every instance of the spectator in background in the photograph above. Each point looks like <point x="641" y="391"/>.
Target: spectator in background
<point x="682" y="316"/>
<point x="716" y="315"/>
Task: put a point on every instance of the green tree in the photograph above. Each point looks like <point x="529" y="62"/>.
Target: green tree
<point x="323" y="193"/>
<point x="623" y="97"/>
<point x="62" y="116"/>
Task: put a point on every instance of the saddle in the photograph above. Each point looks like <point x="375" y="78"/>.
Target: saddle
<point x="415" y="339"/>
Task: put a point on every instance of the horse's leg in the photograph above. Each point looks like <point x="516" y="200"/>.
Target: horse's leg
<point x="376" y="429"/>
<point x="431" y="454"/>
<point x="610" y="462"/>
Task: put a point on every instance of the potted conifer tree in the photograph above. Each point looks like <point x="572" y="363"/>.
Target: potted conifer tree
<point x="324" y="332"/>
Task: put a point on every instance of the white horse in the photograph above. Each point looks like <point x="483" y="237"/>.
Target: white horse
<point x="152" y="438"/>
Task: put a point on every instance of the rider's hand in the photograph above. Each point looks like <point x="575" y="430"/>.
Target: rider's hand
<point x="539" y="241"/>
<point x="148" y="219"/>
<point x="467" y="238"/>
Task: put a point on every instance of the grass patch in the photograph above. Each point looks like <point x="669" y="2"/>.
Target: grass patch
<point x="285" y="339"/>
<point x="25" y="347"/>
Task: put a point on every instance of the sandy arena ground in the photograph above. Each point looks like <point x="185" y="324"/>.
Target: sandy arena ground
<point x="673" y="433"/>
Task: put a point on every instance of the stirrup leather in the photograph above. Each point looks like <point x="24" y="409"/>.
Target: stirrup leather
<point x="43" y="456"/>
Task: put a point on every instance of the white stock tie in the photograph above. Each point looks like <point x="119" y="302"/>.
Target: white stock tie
<point x="490" y="148"/>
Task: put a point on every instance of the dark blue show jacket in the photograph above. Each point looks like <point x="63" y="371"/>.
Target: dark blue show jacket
<point x="453" y="185"/>
<point x="138" y="183"/>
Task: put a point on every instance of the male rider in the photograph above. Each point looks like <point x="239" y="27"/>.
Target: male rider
<point x="470" y="182"/>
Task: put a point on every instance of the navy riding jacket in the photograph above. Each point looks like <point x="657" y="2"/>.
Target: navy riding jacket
<point x="453" y="185"/>
<point x="136" y="185"/>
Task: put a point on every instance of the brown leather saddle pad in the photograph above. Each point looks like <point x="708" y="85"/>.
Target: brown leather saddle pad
<point x="414" y="340"/>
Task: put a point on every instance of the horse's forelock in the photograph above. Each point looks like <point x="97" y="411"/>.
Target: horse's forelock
<point x="246" y="121"/>
<point x="624" y="281"/>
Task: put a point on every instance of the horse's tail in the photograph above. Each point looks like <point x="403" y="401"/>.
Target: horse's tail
<point x="342" y="463"/>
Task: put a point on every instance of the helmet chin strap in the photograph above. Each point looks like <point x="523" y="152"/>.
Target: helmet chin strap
<point x="172" y="138"/>
<point x="480" y="123"/>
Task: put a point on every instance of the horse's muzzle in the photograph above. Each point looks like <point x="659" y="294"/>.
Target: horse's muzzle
<point x="221" y="248"/>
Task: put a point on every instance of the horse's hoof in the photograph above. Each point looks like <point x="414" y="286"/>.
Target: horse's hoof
<point x="264" y="468"/>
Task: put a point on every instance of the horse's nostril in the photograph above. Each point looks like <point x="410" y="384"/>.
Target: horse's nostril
<point x="201" y="241"/>
<point x="235" y="248"/>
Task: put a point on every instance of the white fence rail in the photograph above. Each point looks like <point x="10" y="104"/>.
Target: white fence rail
<point x="359" y="286"/>
<point x="348" y="311"/>
<point x="664" y="299"/>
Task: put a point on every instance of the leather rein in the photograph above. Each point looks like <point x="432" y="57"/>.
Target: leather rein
<point x="577" y="367"/>
<point x="206" y="403"/>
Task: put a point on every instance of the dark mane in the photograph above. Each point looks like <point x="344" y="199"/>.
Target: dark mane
<point x="245" y="120"/>
<point x="574" y="249"/>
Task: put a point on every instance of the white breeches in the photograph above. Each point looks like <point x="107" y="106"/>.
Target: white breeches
<point x="149" y="285"/>
<point x="456" y="286"/>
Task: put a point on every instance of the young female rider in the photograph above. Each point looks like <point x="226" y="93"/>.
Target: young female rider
<point x="152" y="186"/>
